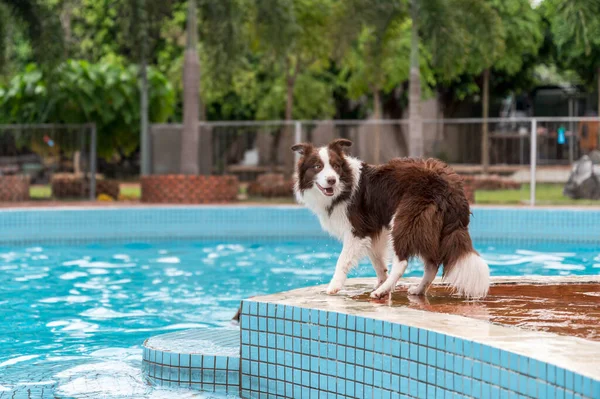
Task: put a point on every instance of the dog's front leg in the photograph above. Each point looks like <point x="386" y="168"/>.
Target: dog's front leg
<point x="353" y="251"/>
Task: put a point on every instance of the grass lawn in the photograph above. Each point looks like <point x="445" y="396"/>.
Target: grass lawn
<point x="546" y="194"/>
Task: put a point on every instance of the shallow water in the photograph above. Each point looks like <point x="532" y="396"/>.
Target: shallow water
<point x="74" y="317"/>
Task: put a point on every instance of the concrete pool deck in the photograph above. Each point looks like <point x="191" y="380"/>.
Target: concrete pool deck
<point x="512" y="302"/>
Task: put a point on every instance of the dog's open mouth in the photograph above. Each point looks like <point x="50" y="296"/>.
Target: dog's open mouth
<point x="326" y="191"/>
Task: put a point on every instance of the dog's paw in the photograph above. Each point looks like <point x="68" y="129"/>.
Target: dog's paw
<point x="334" y="288"/>
<point x="379" y="293"/>
<point x="414" y="290"/>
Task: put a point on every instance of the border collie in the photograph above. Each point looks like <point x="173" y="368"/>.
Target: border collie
<point x="414" y="207"/>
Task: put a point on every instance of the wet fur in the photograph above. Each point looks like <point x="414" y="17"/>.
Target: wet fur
<point x="417" y="206"/>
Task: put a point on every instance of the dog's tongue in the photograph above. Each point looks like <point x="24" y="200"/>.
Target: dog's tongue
<point x="329" y="190"/>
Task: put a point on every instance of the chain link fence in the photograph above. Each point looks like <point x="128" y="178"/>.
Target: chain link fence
<point x="523" y="160"/>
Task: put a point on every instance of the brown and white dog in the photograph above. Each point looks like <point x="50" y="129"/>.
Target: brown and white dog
<point x="414" y="207"/>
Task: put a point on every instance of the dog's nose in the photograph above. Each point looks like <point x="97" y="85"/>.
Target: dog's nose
<point x="331" y="181"/>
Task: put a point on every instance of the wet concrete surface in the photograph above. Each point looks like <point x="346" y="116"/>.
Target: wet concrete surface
<point x="566" y="309"/>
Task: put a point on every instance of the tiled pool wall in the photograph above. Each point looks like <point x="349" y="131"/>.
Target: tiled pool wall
<point x="59" y="225"/>
<point x="194" y="371"/>
<point x="199" y="359"/>
<point x="294" y="352"/>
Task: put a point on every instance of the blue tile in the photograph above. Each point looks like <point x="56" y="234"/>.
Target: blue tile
<point x="514" y="381"/>
<point x="396" y="331"/>
<point x="413" y="335"/>
<point x="477" y="372"/>
<point x="569" y="380"/>
<point x="422" y="390"/>
<point x="414" y="353"/>
<point x="431" y="372"/>
<point x="551" y="370"/>
<point x="404" y="352"/>
<point x="523" y="364"/>
<point x="586" y="387"/>
<point x="360" y="324"/>
<point x="458" y="364"/>
<point x="560" y="377"/>
<point x="495" y="356"/>
<point x="369" y="342"/>
<point x="504" y="378"/>
<point x="422" y="354"/>
<point x="332" y="319"/>
<point x="360" y="340"/>
<point x="262" y="309"/>
<point x="404" y="332"/>
<point x="505" y="359"/>
<point x="532" y="387"/>
<point x="351" y="323"/>
<point x="253" y="308"/>
<point x="441" y="342"/>
<point x="595" y="388"/>
<point x="220" y="362"/>
<point x="458" y="383"/>
<point x="413" y="370"/>
<point x="208" y="362"/>
<point x="431" y="357"/>
<point x="360" y="357"/>
<point x="422" y="337"/>
<point x="422" y="372"/>
<point x="413" y="388"/>
<point x="378" y="344"/>
<point x="441" y="360"/>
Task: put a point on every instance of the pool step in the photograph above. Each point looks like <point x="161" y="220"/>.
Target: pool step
<point x="200" y="359"/>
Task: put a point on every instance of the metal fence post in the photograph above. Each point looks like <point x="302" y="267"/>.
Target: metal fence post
<point x="297" y="138"/>
<point x="93" y="163"/>
<point x="533" y="162"/>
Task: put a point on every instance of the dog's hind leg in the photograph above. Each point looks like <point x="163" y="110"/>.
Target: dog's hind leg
<point x="378" y="253"/>
<point x="353" y="251"/>
<point x="431" y="270"/>
<point x="398" y="268"/>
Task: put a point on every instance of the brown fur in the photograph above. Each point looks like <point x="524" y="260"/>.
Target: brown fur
<point x="432" y="212"/>
<point x="425" y="198"/>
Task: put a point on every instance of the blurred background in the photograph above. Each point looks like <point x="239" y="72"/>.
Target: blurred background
<point x="175" y="101"/>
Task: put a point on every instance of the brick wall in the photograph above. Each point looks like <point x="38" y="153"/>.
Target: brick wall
<point x="78" y="187"/>
<point x="469" y="188"/>
<point x="184" y="189"/>
<point x="14" y="188"/>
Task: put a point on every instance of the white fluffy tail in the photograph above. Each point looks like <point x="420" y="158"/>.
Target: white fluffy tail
<point x="469" y="277"/>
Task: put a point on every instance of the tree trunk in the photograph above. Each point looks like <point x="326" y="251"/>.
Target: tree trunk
<point x="145" y="139"/>
<point x="191" y="98"/>
<point x="289" y="128"/>
<point x="377" y="116"/>
<point x="415" y="123"/>
<point x="485" y="140"/>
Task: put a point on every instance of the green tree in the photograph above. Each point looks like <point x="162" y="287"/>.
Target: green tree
<point x="293" y="37"/>
<point x="575" y="26"/>
<point x="29" y="31"/>
<point x="521" y="36"/>
<point x="79" y="92"/>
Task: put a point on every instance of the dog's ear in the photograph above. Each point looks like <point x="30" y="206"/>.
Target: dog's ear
<point x="340" y="145"/>
<point x="302" y="148"/>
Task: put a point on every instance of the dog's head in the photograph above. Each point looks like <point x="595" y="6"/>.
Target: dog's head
<point x="324" y="172"/>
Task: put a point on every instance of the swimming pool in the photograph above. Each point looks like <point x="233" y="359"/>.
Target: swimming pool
<point x="80" y="295"/>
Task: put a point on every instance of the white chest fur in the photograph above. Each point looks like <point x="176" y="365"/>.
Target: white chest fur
<point x="336" y="224"/>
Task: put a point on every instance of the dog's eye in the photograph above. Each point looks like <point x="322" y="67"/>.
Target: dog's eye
<point x="317" y="167"/>
<point x="336" y="167"/>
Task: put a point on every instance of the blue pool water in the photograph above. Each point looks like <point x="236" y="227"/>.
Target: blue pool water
<point x="74" y="317"/>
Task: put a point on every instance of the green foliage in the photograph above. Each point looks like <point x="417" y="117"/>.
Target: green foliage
<point x="382" y="62"/>
<point x="80" y="92"/>
<point x="575" y="28"/>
